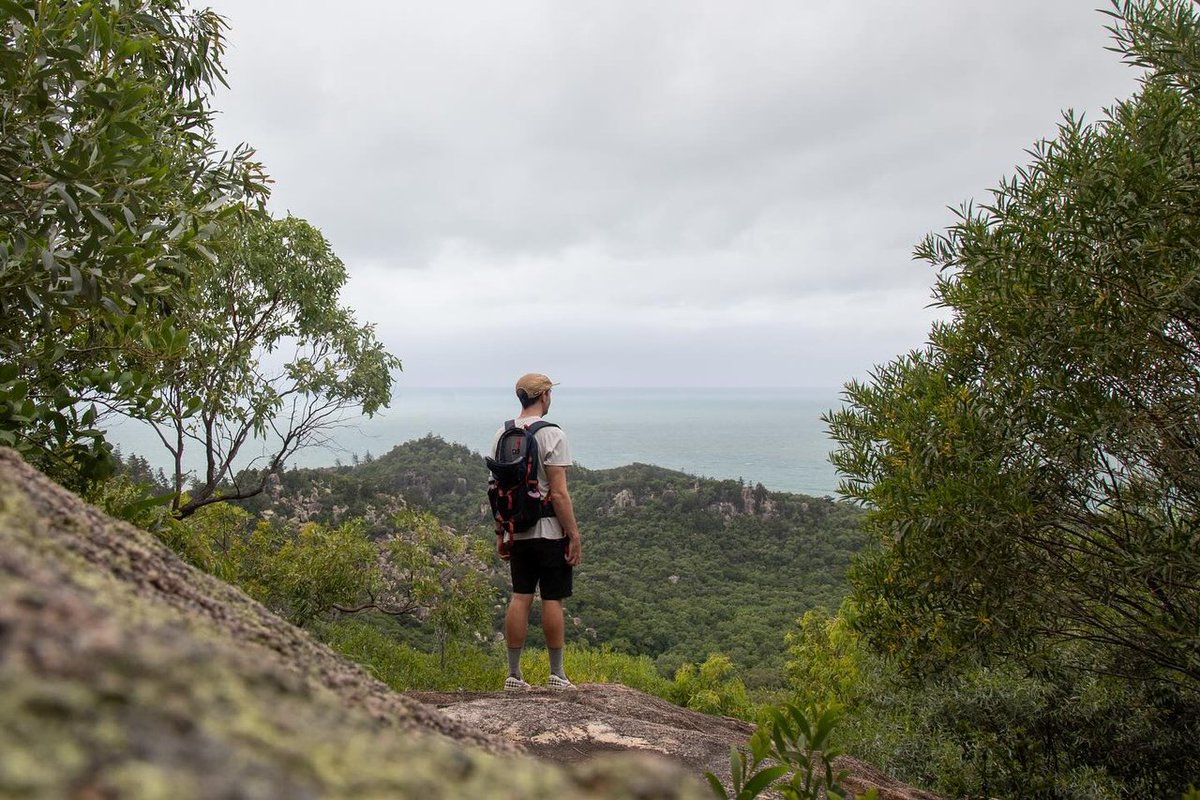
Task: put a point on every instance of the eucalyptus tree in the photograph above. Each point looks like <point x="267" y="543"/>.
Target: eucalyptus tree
<point x="435" y="574"/>
<point x="272" y="362"/>
<point x="1033" y="473"/>
<point x="110" y="182"/>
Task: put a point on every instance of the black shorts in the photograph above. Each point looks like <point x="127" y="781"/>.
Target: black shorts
<point x="541" y="561"/>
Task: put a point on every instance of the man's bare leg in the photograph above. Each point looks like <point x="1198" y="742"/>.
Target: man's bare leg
<point x="516" y="625"/>
<point x="552" y="623"/>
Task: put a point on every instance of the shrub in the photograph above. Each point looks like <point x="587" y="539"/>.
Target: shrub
<point x="711" y="688"/>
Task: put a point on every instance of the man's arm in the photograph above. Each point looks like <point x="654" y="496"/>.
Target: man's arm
<point x="561" y="498"/>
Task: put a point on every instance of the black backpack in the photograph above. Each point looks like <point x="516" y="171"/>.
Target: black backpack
<point x="513" y="492"/>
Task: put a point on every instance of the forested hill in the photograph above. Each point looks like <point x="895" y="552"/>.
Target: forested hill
<point x="675" y="566"/>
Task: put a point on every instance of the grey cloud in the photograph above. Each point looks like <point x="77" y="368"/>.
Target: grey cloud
<point x="642" y="158"/>
<point x="552" y="125"/>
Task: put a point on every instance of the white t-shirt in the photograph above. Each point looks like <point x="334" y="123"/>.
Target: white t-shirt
<point x="554" y="450"/>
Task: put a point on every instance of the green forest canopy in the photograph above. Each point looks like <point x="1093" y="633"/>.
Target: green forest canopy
<point x="691" y="566"/>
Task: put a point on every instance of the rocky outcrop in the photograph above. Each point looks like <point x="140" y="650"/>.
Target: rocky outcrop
<point x="623" y="499"/>
<point x="756" y="500"/>
<point x="596" y="718"/>
<point x="574" y="726"/>
<point x="724" y="509"/>
<point x="125" y="673"/>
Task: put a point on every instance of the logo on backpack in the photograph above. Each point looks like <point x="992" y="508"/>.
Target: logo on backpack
<point x="513" y="492"/>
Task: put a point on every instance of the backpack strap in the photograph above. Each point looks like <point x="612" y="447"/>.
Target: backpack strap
<point x="531" y="429"/>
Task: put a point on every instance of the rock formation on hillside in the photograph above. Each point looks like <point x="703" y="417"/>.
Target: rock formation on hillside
<point x="623" y="499"/>
<point x="125" y="673"/>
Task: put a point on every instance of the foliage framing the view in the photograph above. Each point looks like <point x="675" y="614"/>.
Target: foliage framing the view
<point x="110" y="180"/>
<point x="271" y="286"/>
<point x="1033" y="475"/>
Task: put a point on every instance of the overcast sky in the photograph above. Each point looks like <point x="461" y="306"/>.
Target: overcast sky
<point x="669" y="193"/>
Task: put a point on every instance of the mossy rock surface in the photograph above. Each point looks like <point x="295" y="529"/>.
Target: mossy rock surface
<point x="125" y="673"/>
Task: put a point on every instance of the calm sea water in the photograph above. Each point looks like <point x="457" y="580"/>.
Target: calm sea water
<point x="769" y="436"/>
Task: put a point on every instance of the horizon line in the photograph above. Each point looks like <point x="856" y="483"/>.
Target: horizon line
<point x="615" y="387"/>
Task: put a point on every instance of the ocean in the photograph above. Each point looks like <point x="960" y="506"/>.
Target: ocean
<point x="769" y="436"/>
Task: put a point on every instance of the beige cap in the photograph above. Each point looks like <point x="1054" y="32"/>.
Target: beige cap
<point x="531" y="385"/>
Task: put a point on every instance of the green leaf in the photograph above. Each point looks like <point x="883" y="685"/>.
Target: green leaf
<point x="145" y="504"/>
<point x="17" y="10"/>
<point x="824" y="728"/>
<point x="735" y="768"/>
<point x="761" y="780"/>
<point x="205" y="252"/>
<point x="800" y="719"/>
<point x="717" y="788"/>
<point x="102" y="218"/>
<point x="760" y="744"/>
<point x="63" y="194"/>
<point x="17" y="390"/>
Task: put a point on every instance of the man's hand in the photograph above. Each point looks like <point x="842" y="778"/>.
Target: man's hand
<point x="502" y="549"/>
<point x="574" y="549"/>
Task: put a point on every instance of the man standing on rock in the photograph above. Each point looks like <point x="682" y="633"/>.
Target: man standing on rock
<point x="543" y="556"/>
